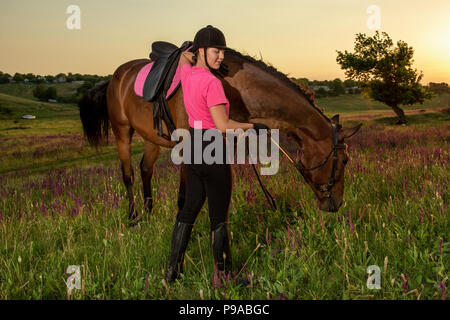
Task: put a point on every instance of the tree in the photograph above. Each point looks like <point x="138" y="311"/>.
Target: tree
<point x="321" y="93"/>
<point x="18" y="77"/>
<point x="439" y="88"/>
<point x="39" y="92"/>
<point x="304" y="82"/>
<point x="350" y="83"/>
<point x="84" y="88"/>
<point x="4" y="77"/>
<point x="31" y="77"/>
<point x="51" y="93"/>
<point x="49" y="78"/>
<point x="43" y="93"/>
<point x="337" y="87"/>
<point x="385" y="71"/>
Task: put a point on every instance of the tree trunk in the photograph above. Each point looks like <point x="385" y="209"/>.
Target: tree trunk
<point x="400" y="114"/>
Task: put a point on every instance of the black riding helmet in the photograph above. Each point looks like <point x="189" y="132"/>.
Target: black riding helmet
<point x="209" y="36"/>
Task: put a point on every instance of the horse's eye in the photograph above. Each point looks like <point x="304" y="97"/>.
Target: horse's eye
<point x="345" y="162"/>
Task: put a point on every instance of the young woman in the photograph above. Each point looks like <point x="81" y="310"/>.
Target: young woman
<point x="205" y="101"/>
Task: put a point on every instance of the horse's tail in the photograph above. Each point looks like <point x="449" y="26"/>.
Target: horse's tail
<point x="94" y="114"/>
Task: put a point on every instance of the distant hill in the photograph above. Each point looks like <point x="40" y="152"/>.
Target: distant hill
<point x="12" y="107"/>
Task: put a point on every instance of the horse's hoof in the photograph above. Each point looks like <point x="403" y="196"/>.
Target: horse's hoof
<point x="148" y="210"/>
<point x="134" y="224"/>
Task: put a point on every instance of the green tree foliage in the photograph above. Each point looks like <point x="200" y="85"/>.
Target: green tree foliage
<point x="19" y="77"/>
<point x="337" y="87"/>
<point x="385" y="71"/>
<point x="304" y="82"/>
<point x="81" y="90"/>
<point x="321" y="92"/>
<point x="4" y="77"/>
<point x="49" y="78"/>
<point x="439" y="88"/>
<point x="44" y="93"/>
<point x="31" y="77"/>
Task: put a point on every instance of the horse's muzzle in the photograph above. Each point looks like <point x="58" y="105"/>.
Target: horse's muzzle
<point x="330" y="204"/>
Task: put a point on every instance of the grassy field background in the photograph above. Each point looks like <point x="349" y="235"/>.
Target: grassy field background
<point x="62" y="204"/>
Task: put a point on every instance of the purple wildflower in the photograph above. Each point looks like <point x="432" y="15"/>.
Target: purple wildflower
<point x="442" y="290"/>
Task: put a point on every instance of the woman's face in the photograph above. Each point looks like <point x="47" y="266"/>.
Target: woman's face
<point x="215" y="56"/>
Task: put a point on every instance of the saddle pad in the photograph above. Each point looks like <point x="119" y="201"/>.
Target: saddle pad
<point x="142" y="75"/>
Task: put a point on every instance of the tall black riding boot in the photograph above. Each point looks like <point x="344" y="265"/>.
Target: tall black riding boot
<point x="221" y="248"/>
<point x="180" y="239"/>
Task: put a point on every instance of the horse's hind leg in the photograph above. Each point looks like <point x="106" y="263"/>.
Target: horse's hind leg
<point x="151" y="153"/>
<point x="124" y="135"/>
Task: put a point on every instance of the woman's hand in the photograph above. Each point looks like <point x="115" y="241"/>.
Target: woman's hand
<point x="259" y="127"/>
<point x="189" y="57"/>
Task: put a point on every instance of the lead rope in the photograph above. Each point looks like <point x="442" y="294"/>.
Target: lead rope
<point x="269" y="197"/>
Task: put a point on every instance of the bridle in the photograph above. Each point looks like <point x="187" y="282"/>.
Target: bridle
<point x="302" y="169"/>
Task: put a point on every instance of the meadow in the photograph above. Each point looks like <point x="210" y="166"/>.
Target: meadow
<point x="62" y="204"/>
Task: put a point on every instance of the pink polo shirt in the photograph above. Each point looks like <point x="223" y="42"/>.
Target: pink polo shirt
<point x="201" y="90"/>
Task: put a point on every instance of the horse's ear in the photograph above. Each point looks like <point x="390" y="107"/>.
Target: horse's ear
<point x="335" y="119"/>
<point x="348" y="132"/>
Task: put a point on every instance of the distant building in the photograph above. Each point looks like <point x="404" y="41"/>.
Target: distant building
<point x="11" y="80"/>
<point x="351" y="88"/>
<point x="52" y="100"/>
<point x="78" y="81"/>
<point x="60" y="79"/>
<point x="315" y="88"/>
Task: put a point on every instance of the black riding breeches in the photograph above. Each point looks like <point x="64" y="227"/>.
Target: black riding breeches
<point x="206" y="180"/>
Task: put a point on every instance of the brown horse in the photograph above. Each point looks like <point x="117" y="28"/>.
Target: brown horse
<point x="257" y="93"/>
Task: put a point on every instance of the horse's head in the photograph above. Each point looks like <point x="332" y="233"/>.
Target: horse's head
<point x="324" y="163"/>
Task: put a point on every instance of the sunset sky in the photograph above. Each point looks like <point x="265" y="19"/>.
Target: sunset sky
<point x="297" y="37"/>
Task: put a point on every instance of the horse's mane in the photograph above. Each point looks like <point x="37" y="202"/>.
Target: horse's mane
<point x="308" y="94"/>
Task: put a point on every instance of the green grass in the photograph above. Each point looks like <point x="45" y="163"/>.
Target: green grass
<point x="13" y="108"/>
<point x="62" y="204"/>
